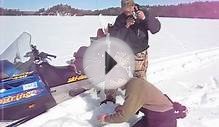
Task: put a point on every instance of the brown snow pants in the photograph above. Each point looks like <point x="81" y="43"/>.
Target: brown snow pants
<point x="141" y="64"/>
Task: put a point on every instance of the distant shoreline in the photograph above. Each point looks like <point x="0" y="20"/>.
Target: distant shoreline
<point x="203" y="10"/>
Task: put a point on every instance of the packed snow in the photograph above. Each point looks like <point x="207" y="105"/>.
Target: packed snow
<point x="183" y="63"/>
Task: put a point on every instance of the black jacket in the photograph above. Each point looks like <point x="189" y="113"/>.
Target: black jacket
<point x="136" y="36"/>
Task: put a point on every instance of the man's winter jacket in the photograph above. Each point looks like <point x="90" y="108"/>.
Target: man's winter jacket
<point x="136" y="36"/>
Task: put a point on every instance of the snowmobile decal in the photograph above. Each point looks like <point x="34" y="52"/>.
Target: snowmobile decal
<point x="22" y="75"/>
<point x="77" y="78"/>
<point x="20" y="96"/>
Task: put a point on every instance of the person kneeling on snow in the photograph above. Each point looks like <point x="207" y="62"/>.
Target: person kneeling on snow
<point x="140" y="95"/>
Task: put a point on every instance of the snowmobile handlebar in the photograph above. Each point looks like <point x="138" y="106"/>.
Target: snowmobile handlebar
<point x="49" y="55"/>
<point x="42" y="55"/>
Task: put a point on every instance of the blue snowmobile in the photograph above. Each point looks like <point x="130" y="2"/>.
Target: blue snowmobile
<point x="29" y="85"/>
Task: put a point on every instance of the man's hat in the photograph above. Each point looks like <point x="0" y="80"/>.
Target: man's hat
<point x="127" y="3"/>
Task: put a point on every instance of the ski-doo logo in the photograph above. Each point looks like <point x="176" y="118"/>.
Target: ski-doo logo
<point x="77" y="78"/>
<point x="19" y="77"/>
<point x="18" y="97"/>
<point x="22" y="75"/>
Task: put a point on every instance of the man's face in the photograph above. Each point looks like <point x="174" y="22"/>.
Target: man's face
<point x="128" y="10"/>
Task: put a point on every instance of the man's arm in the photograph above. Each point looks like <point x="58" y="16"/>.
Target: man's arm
<point x="154" y="25"/>
<point x="119" y="29"/>
<point x="133" y="102"/>
<point x="120" y="22"/>
<point x="150" y="23"/>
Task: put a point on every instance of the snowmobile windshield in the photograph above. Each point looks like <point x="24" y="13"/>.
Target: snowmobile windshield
<point x="15" y="55"/>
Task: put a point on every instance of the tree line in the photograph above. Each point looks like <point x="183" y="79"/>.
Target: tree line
<point x="188" y="10"/>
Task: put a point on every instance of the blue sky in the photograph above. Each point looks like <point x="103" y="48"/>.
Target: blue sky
<point x="83" y="4"/>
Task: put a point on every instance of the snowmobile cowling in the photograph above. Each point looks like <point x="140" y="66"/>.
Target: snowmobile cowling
<point x="24" y="95"/>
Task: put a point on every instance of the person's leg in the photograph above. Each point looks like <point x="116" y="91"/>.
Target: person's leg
<point x="161" y="119"/>
<point x="157" y="119"/>
<point x="171" y="123"/>
<point x="141" y="64"/>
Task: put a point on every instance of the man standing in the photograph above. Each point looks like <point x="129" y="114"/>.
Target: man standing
<point x="132" y="26"/>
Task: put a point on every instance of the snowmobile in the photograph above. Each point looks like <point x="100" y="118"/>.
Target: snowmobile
<point x="30" y="85"/>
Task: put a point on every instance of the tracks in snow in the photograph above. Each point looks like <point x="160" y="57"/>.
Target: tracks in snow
<point x="165" y="68"/>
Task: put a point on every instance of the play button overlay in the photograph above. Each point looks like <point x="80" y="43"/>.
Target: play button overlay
<point x="108" y="63"/>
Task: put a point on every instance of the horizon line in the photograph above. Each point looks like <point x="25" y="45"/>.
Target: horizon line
<point x="175" y="4"/>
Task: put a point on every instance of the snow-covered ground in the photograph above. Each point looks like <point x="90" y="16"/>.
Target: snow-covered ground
<point x="184" y="59"/>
